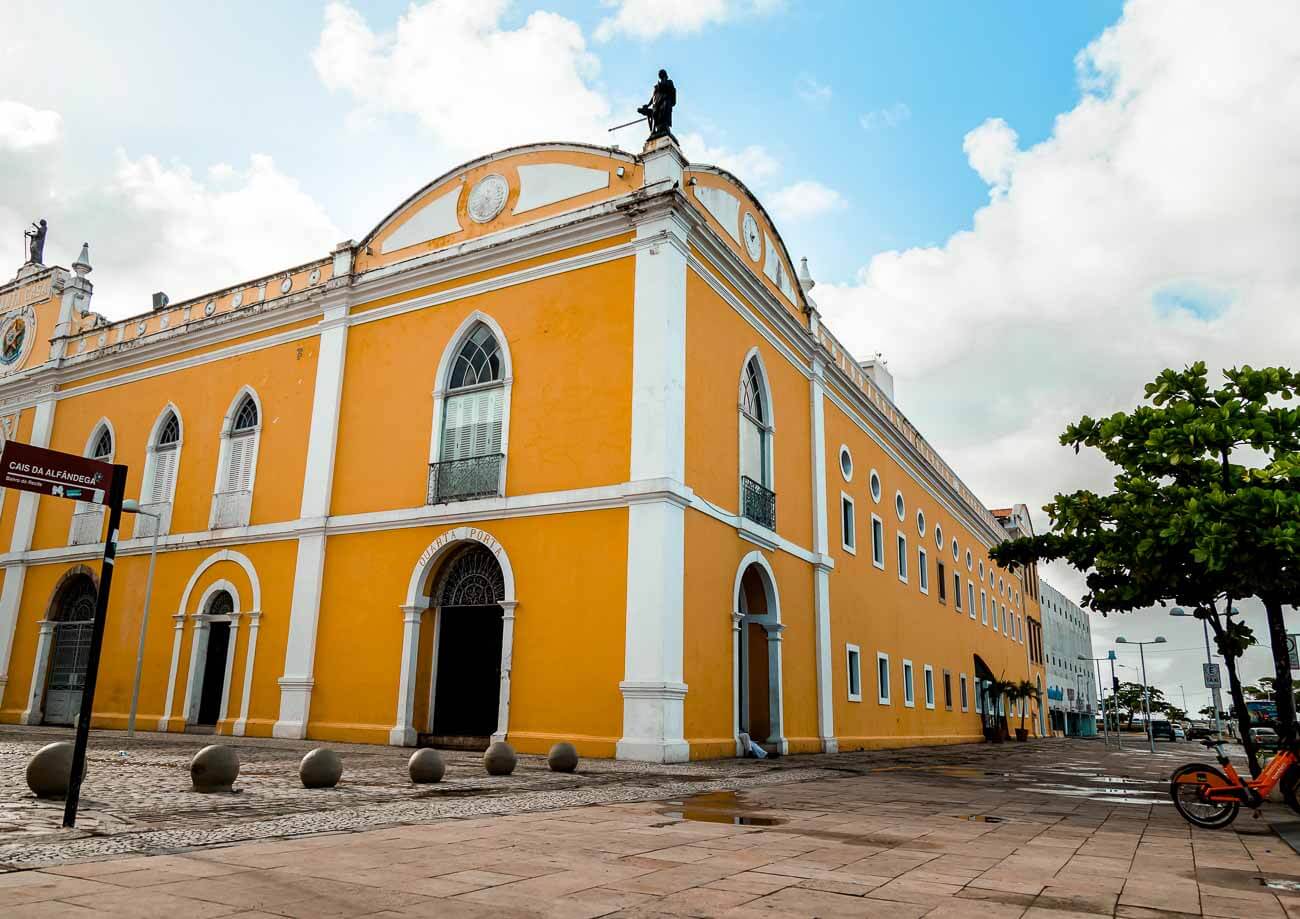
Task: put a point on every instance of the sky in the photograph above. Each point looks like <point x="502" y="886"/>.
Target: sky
<point x="1028" y="209"/>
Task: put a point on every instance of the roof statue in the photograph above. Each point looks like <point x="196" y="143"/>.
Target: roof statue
<point x="659" y="110"/>
<point x="36" y="243"/>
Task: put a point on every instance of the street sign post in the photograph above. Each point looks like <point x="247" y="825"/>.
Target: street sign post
<point x="1213" y="678"/>
<point x="66" y="475"/>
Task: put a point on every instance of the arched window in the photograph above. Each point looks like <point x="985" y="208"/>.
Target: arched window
<point x="469" y="462"/>
<point x="238" y="464"/>
<point x="757" y="500"/>
<point x="164" y="450"/>
<point x="102" y="448"/>
<point x="88" y="519"/>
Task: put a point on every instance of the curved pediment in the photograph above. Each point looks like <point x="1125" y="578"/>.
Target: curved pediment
<point x="512" y="187"/>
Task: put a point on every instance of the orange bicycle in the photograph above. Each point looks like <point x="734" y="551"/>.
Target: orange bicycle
<point x="1212" y="799"/>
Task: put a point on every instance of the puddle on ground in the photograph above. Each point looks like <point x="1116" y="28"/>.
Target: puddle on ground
<point x="984" y="818"/>
<point x="1247" y="880"/>
<point x="1107" y="795"/>
<point x="718" y="807"/>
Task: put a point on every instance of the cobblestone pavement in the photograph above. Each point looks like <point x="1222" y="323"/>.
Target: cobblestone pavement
<point x="1049" y="830"/>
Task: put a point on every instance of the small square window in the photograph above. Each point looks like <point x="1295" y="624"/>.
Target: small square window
<point x="970" y="597"/>
<point x="854" y="657"/>
<point x="929" y="686"/>
<point x="877" y="542"/>
<point x="965" y="694"/>
<point x="902" y="558"/>
<point x="848" y="526"/>
<point x="984" y="608"/>
<point x="941" y="577"/>
<point x="947" y="690"/>
<point x="923" y="571"/>
<point x="882" y="678"/>
<point x="956" y="590"/>
<point x="909" y="688"/>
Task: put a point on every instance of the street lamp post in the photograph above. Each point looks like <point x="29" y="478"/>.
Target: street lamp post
<point x="1146" y="689"/>
<point x="133" y="507"/>
<point x="1105" y="727"/>
<point x="1209" y="660"/>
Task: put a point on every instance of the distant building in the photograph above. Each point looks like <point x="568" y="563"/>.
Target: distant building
<point x="1071" y="683"/>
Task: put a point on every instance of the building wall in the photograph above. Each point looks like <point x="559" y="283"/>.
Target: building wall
<point x="1067" y="636"/>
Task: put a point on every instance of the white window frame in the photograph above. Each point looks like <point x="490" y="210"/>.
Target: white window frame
<point x="995" y="617"/>
<point x="882" y="692"/>
<point x="970" y="596"/>
<point x="223" y="455"/>
<point x="947" y="690"/>
<point x="958" y="602"/>
<point x="844" y="451"/>
<point x="853" y="663"/>
<point x="923" y="569"/>
<point x="984" y="608"/>
<point x="900" y="547"/>
<point x="965" y="693"/>
<point x="87" y="526"/>
<point x="875" y="487"/>
<point x="441" y="390"/>
<point x="909" y="684"/>
<point x="900" y="506"/>
<point x="877" y="542"/>
<point x="143" y="522"/>
<point x="928" y="682"/>
<point x="849" y="536"/>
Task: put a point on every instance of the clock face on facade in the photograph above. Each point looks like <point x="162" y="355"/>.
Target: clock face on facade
<point x="752" y="239"/>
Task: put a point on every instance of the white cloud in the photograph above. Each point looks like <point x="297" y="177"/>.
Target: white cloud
<point x="891" y="116"/>
<point x="1176" y="172"/>
<point x="649" y="19"/>
<point x="25" y="128"/>
<point x="812" y="92"/>
<point x="754" y="165"/>
<point x="805" y="199"/>
<point x="475" y="85"/>
<point x="153" y="226"/>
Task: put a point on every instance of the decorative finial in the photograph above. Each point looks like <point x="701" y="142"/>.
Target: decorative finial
<point x="805" y="277"/>
<point x="82" y="265"/>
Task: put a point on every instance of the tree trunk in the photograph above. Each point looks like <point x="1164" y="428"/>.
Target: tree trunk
<point x="1238" y="697"/>
<point x="1282" y="690"/>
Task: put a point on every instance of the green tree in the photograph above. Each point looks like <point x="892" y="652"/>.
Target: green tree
<point x="1130" y="698"/>
<point x="1189" y="521"/>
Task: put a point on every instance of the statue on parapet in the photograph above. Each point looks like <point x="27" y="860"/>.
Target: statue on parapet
<point x="36" y="243"/>
<point x="659" y="110"/>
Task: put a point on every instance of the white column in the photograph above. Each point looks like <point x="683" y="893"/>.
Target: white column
<point x="507" y="659"/>
<point x="309" y="568"/>
<point x="652" y="687"/>
<point x="737" y="623"/>
<point x="198" y="658"/>
<point x="821" y="567"/>
<point x="403" y="733"/>
<point x="24" y="525"/>
<point x="254" y="622"/>
<point x="178" y="632"/>
<point x="232" y="645"/>
<point x="775" y="698"/>
<point x="40" y="669"/>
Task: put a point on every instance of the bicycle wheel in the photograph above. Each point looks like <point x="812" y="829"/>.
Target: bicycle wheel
<point x="1187" y="787"/>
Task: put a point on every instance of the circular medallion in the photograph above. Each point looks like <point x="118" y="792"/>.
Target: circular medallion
<point x="211" y="307"/>
<point x="237" y="300"/>
<point x="16" y="337"/>
<point x="488" y="198"/>
<point x="286" y="285"/>
<point x="753" y="241"/>
<point x="164" y="322"/>
<point x="315" y="276"/>
<point x="141" y="326"/>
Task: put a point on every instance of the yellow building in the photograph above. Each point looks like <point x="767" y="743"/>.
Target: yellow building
<point x="559" y="450"/>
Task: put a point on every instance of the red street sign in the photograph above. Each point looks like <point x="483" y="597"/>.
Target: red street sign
<point x="49" y="472"/>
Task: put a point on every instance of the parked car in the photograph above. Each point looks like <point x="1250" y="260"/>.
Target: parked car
<point x="1162" y="730"/>
<point x="1265" y="738"/>
<point x="1179" y="733"/>
<point x="1199" y="731"/>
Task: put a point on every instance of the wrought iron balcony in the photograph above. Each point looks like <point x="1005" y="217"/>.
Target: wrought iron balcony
<point x="758" y="503"/>
<point x="465" y="479"/>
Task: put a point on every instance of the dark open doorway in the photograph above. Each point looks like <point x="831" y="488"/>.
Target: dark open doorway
<point x="214" y="674"/>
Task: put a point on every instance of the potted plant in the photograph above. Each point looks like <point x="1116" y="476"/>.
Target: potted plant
<point x="1024" y="690"/>
<point x="997" y="691"/>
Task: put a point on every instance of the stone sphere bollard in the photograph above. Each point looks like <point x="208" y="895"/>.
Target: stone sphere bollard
<point x="321" y="768"/>
<point x="562" y="758"/>
<point x="214" y="768"/>
<point x="500" y="759"/>
<point x="426" y="767"/>
<point x="50" y="770"/>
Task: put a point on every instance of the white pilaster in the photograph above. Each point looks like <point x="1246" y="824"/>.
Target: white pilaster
<point x="40" y="669"/>
<point x="821" y="570"/>
<point x="309" y="567"/>
<point x="403" y="733"/>
<point x="232" y="644"/>
<point x="24" y="525"/>
<point x="775" y="697"/>
<point x="507" y="659"/>
<point x="254" y="623"/>
<point x="653" y="690"/>
<point x="178" y="632"/>
<point x="737" y="623"/>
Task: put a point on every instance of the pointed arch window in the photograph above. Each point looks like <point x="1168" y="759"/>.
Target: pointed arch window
<point x="470" y="457"/>
<point x="88" y="519"/>
<point x="758" y="501"/>
<point x="102" y="448"/>
<point x="238" y="464"/>
<point x="159" y="489"/>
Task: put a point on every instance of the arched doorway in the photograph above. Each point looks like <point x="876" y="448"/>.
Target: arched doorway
<point x="465" y="679"/>
<point x="74" y="621"/>
<point x="984" y="703"/>
<point x="757" y="658"/>
<point x="212" y="656"/>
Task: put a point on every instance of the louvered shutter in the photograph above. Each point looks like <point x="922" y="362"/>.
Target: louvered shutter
<point x="164" y="472"/>
<point x="472" y="425"/>
<point x="751" y="451"/>
<point x="239" y="465"/>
